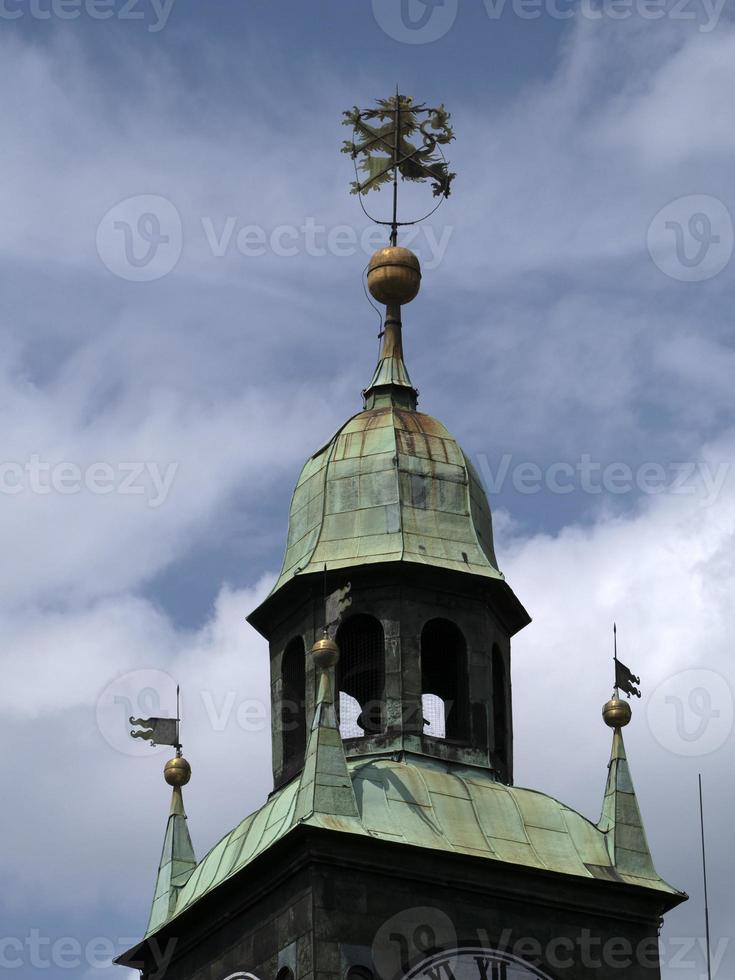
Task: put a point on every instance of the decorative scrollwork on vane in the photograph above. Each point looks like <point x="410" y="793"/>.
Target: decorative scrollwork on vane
<point x="399" y="138"/>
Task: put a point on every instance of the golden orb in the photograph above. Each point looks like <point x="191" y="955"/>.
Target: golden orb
<point x="617" y="713"/>
<point x="177" y="772"/>
<point x="394" y="276"/>
<point x="325" y="653"/>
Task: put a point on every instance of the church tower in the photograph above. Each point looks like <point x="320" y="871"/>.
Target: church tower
<point x="392" y="506"/>
<point x="395" y="844"/>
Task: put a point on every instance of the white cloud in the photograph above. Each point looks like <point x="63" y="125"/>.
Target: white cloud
<point x="665" y="574"/>
<point x="98" y="794"/>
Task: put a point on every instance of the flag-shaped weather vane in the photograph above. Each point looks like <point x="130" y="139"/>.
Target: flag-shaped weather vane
<point x="399" y="139"/>
<point x="625" y="679"/>
<point x="616" y="712"/>
<point x="160" y="731"/>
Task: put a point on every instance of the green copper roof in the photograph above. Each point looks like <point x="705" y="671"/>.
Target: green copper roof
<point x="426" y="803"/>
<point x="621" y="819"/>
<point x="392" y="485"/>
<point x="177" y="863"/>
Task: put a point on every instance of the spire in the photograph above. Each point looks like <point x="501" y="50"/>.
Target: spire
<point x="177" y="857"/>
<point x="396" y="140"/>
<point x="621" y="820"/>
<point x="394" y="277"/>
<point x="325" y="785"/>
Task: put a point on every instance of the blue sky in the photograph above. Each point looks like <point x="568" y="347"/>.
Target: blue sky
<point x="574" y="331"/>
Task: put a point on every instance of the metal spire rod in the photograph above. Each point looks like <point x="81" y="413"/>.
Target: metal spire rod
<point x="326" y="624"/>
<point x="615" y="655"/>
<point x="178" y="721"/>
<point x="704" y="875"/>
<point x="396" y="148"/>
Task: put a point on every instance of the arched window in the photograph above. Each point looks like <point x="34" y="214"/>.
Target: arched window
<point x="360" y="676"/>
<point x="293" y="713"/>
<point x="359" y="973"/>
<point x="444" y="687"/>
<point x="500" y="705"/>
<point x="285" y="973"/>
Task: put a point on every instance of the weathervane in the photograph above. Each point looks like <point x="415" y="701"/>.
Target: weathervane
<point x="399" y="138"/>
<point x="165" y="731"/>
<point x="616" y="712"/>
<point x="625" y="679"/>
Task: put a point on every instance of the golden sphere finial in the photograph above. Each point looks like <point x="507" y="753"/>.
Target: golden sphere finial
<point x="616" y="713"/>
<point x="177" y="771"/>
<point x="394" y="276"/>
<point x="325" y="652"/>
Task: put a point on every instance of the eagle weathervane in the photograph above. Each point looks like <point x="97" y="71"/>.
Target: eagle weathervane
<point x="399" y="138"/>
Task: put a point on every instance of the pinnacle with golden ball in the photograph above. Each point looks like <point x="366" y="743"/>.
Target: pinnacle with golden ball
<point x="394" y="276"/>
<point x="177" y="771"/>
<point x="325" y="653"/>
<point x="616" y="713"/>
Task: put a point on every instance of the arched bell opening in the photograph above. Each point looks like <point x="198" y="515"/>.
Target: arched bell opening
<point x="292" y="708"/>
<point x="361" y="676"/>
<point x="500" y="707"/>
<point x="444" y="681"/>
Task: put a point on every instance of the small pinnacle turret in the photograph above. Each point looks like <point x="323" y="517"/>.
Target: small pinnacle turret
<point x="621" y="819"/>
<point x="177" y="856"/>
<point x="325" y="785"/>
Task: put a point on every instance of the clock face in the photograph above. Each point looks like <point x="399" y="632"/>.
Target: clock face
<point x="474" y="963"/>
